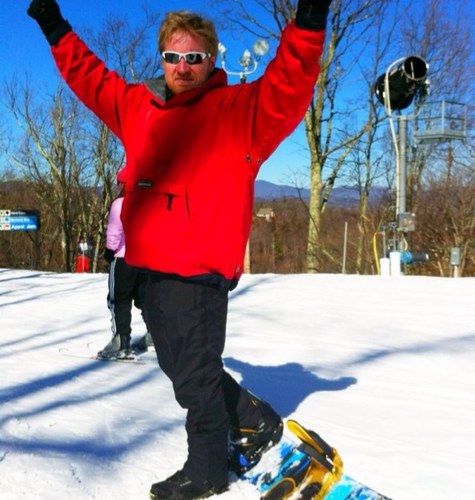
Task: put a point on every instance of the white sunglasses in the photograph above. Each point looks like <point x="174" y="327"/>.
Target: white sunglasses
<point x="172" y="57"/>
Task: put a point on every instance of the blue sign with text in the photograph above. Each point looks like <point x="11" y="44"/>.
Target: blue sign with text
<point x="19" y="220"/>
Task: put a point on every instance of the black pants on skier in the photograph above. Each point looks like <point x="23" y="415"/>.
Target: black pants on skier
<point x="126" y="287"/>
<point x="187" y="321"/>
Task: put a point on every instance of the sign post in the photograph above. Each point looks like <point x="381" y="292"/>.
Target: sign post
<point x="23" y="220"/>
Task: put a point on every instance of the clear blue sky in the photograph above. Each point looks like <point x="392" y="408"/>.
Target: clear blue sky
<point x="23" y="49"/>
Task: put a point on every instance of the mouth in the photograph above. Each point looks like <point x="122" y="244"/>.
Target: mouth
<point x="183" y="79"/>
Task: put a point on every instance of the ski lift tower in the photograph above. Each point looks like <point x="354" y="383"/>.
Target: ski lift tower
<point x="404" y="80"/>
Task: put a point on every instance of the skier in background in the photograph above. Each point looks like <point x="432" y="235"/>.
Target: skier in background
<point x="83" y="258"/>
<point x="126" y="286"/>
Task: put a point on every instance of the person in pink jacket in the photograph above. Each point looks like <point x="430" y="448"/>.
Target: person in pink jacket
<point x="194" y="146"/>
<point x="126" y="286"/>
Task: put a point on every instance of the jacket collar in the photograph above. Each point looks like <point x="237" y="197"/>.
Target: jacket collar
<point x="161" y="93"/>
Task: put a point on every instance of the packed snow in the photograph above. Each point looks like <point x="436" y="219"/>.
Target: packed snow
<point x="381" y="367"/>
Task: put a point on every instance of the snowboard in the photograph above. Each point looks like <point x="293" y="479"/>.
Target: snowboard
<point x="305" y="467"/>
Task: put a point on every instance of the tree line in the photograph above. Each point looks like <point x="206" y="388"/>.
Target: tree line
<point x="60" y="160"/>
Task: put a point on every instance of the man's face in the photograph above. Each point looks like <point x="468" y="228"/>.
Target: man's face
<point x="183" y="76"/>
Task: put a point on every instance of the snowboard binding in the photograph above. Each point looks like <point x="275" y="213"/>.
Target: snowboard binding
<point x="310" y="470"/>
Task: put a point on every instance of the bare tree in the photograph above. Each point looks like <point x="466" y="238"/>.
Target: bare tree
<point x="444" y="38"/>
<point x="448" y="220"/>
<point x="46" y="157"/>
<point x="365" y="161"/>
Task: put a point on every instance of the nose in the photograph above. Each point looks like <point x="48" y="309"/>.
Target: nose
<point x="182" y="64"/>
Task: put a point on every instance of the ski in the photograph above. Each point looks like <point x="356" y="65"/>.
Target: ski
<point x="132" y="359"/>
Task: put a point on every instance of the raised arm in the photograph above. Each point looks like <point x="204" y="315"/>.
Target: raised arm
<point x="286" y="89"/>
<point x="100" y="89"/>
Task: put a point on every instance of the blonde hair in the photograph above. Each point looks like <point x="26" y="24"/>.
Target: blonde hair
<point x="188" y="22"/>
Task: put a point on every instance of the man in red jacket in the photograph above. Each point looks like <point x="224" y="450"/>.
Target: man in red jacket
<point x="194" y="145"/>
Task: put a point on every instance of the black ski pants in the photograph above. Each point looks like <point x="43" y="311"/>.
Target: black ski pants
<point x="187" y="321"/>
<point x="126" y="287"/>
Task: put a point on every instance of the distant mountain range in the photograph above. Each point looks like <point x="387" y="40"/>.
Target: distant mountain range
<point x="342" y="196"/>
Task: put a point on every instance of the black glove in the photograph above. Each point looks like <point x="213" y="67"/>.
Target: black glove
<point x="47" y="14"/>
<point x="312" y="14"/>
<point x="109" y="255"/>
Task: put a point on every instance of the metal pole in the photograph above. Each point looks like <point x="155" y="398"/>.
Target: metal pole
<point x="345" y="239"/>
<point x="402" y="174"/>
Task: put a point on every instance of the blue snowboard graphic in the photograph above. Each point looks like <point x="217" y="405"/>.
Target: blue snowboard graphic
<point x="309" y="469"/>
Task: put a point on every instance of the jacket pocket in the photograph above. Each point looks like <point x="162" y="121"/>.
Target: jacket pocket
<point x="159" y="215"/>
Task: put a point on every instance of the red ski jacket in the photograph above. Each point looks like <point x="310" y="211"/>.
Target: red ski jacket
<point x="192" y="159"/>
